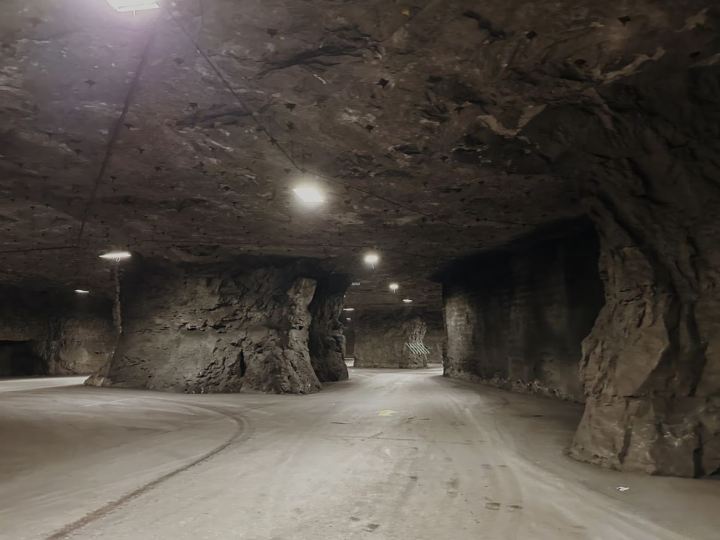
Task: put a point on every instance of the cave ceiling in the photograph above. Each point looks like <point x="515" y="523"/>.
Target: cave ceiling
<point x="179" y="133"/>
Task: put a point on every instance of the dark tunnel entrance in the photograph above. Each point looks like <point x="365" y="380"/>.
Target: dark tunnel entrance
<point x="19" y="359"/>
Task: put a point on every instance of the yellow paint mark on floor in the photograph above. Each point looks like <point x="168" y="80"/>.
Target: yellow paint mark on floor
<point x="387" y="412"/>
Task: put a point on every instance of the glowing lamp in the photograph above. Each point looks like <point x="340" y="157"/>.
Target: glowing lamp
<point x="116" y="256"/>
<point x="371" y="259"/>
<point x="133" y="5"/>
<point x="309" y="194"/>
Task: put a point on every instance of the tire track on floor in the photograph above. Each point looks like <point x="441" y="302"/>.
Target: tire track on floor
<point x="242" y="431"/>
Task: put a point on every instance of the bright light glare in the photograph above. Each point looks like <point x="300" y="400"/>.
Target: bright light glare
<point x="116" y="255"/>
<point x="393" y="287"/>
<point x="309" y="194"/>
<point x="81" y="291"/>
<point x="348" y="319"/>
<point x="133" y="5"/>
<point x="371" y="258"/>
<point x="349" y="309"/>
<point x="356" y="284"/>
<point x="407" y="301"/>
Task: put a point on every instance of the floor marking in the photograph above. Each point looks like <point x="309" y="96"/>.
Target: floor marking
<point x="387" y="412"/>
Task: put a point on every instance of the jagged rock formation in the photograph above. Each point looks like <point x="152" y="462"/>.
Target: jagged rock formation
<point x="391" y="339"/>
<point x="49" y="334"/>
<point x="203" y="329"/>
<point x="516" y="318"/>
<point x="327" y="342"/>
<point x="651" y="366"/>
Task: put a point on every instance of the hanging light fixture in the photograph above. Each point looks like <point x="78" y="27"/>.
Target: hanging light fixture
<point x="309" y="194"/>
<point x="394" y="287"/>
<point x="407" y="301"/>
<point x="81" y="291"/>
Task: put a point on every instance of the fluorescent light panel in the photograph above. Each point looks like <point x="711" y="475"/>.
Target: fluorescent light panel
<point x="81" y="291"/>
<point x="133" y="5"/>
<point x="116" y="255"/>
<point x="309" y="194"/>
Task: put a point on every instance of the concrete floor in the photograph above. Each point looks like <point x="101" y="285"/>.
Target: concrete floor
<point x="387" y="455"/>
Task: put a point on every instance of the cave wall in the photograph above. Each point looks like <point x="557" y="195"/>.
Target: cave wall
<point x="62" y="334"/>
<point x="646" y="164"/>
<point x="516" y="318"/>
<point x="394" y="338"/>
<point x="199" y="329"/>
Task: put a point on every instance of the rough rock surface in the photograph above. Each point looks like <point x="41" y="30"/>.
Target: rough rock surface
<point x="201" y="330"/>
<point x="391" y="339"/>
<point x="516" y="318"/>
<point x="327" y="341"/>
<point x="651" y="366"/>
<point x="388" y="103"/>
<point x="46" y="334"/>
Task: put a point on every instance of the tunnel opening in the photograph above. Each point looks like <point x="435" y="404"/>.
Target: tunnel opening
<point x="19" y="359"/>
<point x="516" y="317"/>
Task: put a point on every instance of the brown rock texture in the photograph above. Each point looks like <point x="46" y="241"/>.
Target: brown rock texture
<point x="651" y="366"/>
<point x="200" y="328"/>
<point x="391" y="339"/>
<point x="516" y="319"/>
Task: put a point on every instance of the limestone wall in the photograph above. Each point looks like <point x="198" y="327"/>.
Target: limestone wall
<point x="516" y="318"/>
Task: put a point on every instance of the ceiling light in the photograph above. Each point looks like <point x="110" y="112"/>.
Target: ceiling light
<point x="349" y="309"/>
<point x="348" y="319"/>
<point x="355" y="284"/>
<point x="407" y="301"/>
<point x="133" y="5"/>
<point x="394" y="287"/>
<point x="116" y="256"/>
<point x="371" y="259"/>
<point x="81" y="291"/>
<point x="309" y="194"/>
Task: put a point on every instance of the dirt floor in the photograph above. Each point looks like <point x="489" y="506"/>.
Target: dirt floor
<point x="388" y="454"/>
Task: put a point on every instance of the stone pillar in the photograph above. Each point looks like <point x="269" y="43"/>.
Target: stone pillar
<point x="327" y="342"/>
<point x="199" y="330"/>
<point x="646" y="161"/>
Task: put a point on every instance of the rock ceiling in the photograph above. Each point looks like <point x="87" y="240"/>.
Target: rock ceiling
<point x="179" y="133"/>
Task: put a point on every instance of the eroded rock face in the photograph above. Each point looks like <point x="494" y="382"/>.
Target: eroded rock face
<point x="516" y="319"/>
<point x="327" y="342"/>
<point x="203" y="330"/>
<point x="651" y="366"/>
<point x="391" y="339"/>
<point x="43" y="333"/>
